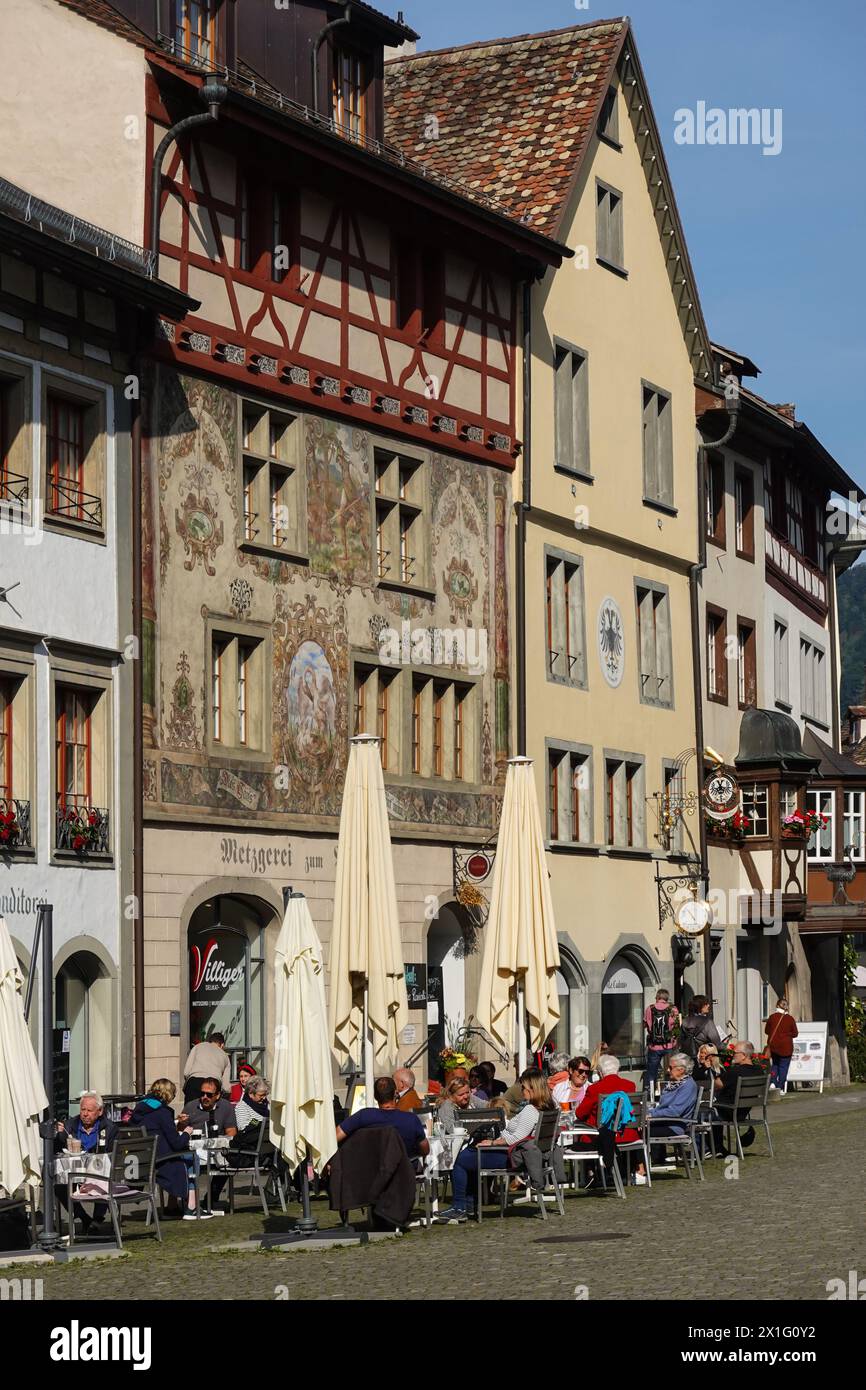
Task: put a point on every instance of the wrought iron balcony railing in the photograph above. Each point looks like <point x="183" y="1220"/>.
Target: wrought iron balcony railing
<point x="82" y="829"/>
<point x="68" y="500"/>
<point x="14" y="487"/>
<point x="14" y="824"/>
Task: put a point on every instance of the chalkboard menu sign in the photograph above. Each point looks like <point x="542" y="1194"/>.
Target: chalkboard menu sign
<point x="416" y="986"/>
<point x="61" y="1073"/>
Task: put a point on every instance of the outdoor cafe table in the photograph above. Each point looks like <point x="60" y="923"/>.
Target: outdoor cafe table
<point x="208" y="1160"/>
<point x="67" y="1165"/>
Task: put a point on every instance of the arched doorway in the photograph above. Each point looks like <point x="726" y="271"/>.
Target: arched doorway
<point x="571" y="1034"/>
<point x="623" y="995"/>
<point x="228" y="975"/>
<point x="446" y="981"/>
<point x="82" y="1004"/>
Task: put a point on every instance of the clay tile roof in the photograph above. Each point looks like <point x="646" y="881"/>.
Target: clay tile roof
<point x="514" y="115"/>
<point x="102" y="12"/>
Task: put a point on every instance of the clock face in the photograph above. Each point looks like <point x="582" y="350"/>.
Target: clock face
<point x="693" y="917"/>
<point x="611" y="642"/>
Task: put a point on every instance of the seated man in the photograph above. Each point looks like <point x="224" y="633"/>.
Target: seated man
<point x="94" y="1132"/>
<point x="215" y="1117"/>
<point x="408" y="1126"/>
<point x="407" y="1097"/>
<point x="742" y="1064"/>
<point x="493" y="1088"/>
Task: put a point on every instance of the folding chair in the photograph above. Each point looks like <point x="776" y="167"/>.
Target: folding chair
<point x="640" y="1104"/>
<point x="706" y="1113"/>
<point x="544" y="1137"/>
<point x="684" y="1144"/>
<point x="255" y="1162"/>
<point x="130" y="1181"/>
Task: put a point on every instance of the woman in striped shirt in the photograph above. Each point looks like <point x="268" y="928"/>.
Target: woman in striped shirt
<point x="536" y="1097"/>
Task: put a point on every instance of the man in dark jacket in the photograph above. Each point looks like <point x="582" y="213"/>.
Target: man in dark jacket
<point x="94" y="1133"/>
<point x="742" y="1064"/>
<point x="408" y="1126"/>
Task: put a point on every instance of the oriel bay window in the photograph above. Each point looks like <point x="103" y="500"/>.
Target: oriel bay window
<point x="822" y="844"/>
<point x="82" y="766"/>
<point x="402" y="510"/>
<point x="272" y="482"/>
<point x="756" y="807"/>
<point x="238" y="704"/>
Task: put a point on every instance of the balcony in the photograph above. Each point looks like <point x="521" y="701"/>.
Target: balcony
<point x="14" y="824"/>
<point x="82" y="830"/>
<point x="801" y="574"/>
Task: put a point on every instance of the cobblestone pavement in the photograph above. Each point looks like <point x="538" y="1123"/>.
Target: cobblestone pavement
<point x="780" y="1229"/>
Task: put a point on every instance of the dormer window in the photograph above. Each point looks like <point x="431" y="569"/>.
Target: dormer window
<point x="349" y="103"/>
<point x="195" y="30"/>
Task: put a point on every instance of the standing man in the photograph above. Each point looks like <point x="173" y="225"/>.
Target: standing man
<point x="407" y="1097"/>
<point x="781" y="1030"/>
<point x="207" y="1059"/>
<point x="661" y="1020"/>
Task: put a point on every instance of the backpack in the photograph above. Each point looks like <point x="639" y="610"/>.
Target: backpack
<point x="607" y="1110"/>
<point x="661" y="1032"/>
<point x="692" y="1036"/>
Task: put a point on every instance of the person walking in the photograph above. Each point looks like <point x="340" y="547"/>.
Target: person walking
<point x="661" y="1021"/>
<point x="698" y="1027"/>
<point x="781" y="1030"/>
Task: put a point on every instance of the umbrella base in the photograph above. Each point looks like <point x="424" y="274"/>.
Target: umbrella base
<point x="313" y="1239"/>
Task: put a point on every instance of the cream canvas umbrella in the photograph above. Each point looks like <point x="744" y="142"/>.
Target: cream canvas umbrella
<point x="521" y="953"/>
<point x="368" y="1007"/>
<point x="302" y="1109"/>
<point x="22" y="1095"/>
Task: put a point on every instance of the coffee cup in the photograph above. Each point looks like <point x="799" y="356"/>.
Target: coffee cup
<point x="73" y="1146"/>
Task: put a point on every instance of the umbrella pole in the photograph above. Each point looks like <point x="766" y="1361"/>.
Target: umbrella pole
<point x="521" y="1027"/>
<point x="48" y="1236"/>
<point x="307" y="1223"/>
<point x="368" y="1050"/>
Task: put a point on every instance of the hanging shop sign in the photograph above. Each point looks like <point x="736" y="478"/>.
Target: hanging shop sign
<point x="721" y="796"/>
<point x="610" y="634"/>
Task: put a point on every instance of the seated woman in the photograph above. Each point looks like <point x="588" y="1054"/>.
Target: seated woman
<point x="537" y="1097"/>
<point x="708" y="1065"/>
<point x="246" y="1071"/>
<point x="173" y="1159"/>
<point x="254" y="1108"/>
<point x="569" y="1093"/>
<point x="457" y="1096"/>
<point x="609" y="1082"/>
<point x="677" y="1102"/>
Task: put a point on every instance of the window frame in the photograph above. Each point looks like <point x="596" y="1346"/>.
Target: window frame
<point x="631" y="768"/>
<point x="716" y="515"/>
<point x="756" y="794"/>
<point x="571" y="456"/>
<point x="559" y="752"/>
<point x="660" y="595"/>
<point x="91" y="403"/>
<point x="94" y="678"/>
<point x="849" y="817"/>
<point x="607" y="126"/>
<point x="744" y="518"/>
<point x="814" y="853"/>
<point x="658" y="448"/>
<point x="236" y="637"/>
<point x="574" y="670"/>
<point x="817" y="657"/>
<point x="720" y="694"/>
<point x="609" y="228"/>
<point x="782" y="664"/>
<point x="747" y="663"/>
<point x="209" y="11"/>
<point x="357" y="128"/>
<point x="392" y="508"/>
<point x="258" y="466"/>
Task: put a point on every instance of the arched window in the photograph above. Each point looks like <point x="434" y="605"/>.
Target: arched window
<point x="622" y="1009"/>
<point x="82" y="995"/>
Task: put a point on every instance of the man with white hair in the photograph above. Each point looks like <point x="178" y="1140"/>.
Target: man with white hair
<point x="407" y="1097"/>
<point x="94" y="1133"/>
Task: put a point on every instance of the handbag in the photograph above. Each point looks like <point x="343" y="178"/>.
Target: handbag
<point x="767" y="1054"/>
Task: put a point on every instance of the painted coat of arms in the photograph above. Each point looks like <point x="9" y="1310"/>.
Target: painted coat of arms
<point x="611" y="642"/>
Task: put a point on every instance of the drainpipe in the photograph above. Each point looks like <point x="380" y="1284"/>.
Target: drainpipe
<point x="213" y="94"/>
<point x="523" y="508"/>
<point x="317" y="44"/>
<point x="732" y="405"/>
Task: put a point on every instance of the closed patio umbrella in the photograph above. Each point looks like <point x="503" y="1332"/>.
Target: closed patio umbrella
<point x="302" y="1089"/>
<point x="521" y="952"/>
<point x="368" y="1007"/>
<point x="22" y="1094"/>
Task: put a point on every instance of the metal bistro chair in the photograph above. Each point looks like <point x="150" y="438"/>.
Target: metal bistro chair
<point x="640" y="1106"/>
<point x="751" y="1092"/>
<point x="262" y="1169"/>
<point x="706" y="1117"/>
<point x="591" y="1153"/>
<point x="545" y="1137"/>
<point x="684" y="1145"/>
<point x="130" y="1181"/>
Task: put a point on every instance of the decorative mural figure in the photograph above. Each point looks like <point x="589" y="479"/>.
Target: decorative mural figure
<point x="312" y="701"/>
<point x="182" y="728"/>
<point x="310" y="722"/>
<point x="199" y="441"/>
<point x="338" y="486"/>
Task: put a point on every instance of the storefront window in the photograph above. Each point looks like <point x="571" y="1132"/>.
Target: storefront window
<point x="227" y="979"/>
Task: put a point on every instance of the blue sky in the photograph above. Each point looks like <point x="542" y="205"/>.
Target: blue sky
<point x="777" y="242"/>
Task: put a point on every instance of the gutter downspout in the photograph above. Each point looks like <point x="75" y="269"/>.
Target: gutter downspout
<point x="214" y="94"/>
<point x="317" y="44"/>
<point x="732" y="405"/>
<point x="523" y="508"/>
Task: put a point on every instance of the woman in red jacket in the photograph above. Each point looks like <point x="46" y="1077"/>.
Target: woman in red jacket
<point x="781" y="1030"/>
<point x="611" y="1081"/>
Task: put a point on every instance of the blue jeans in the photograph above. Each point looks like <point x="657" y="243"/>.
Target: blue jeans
<point x="779" y="1070"/>
<point x="653" y="1063"/>
<point x="466" y="1168"/>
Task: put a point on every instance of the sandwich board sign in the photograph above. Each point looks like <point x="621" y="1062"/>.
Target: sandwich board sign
<point x="810" y="1053"/>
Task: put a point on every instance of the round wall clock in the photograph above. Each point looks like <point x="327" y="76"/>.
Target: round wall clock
<point x="611" y="641"/>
